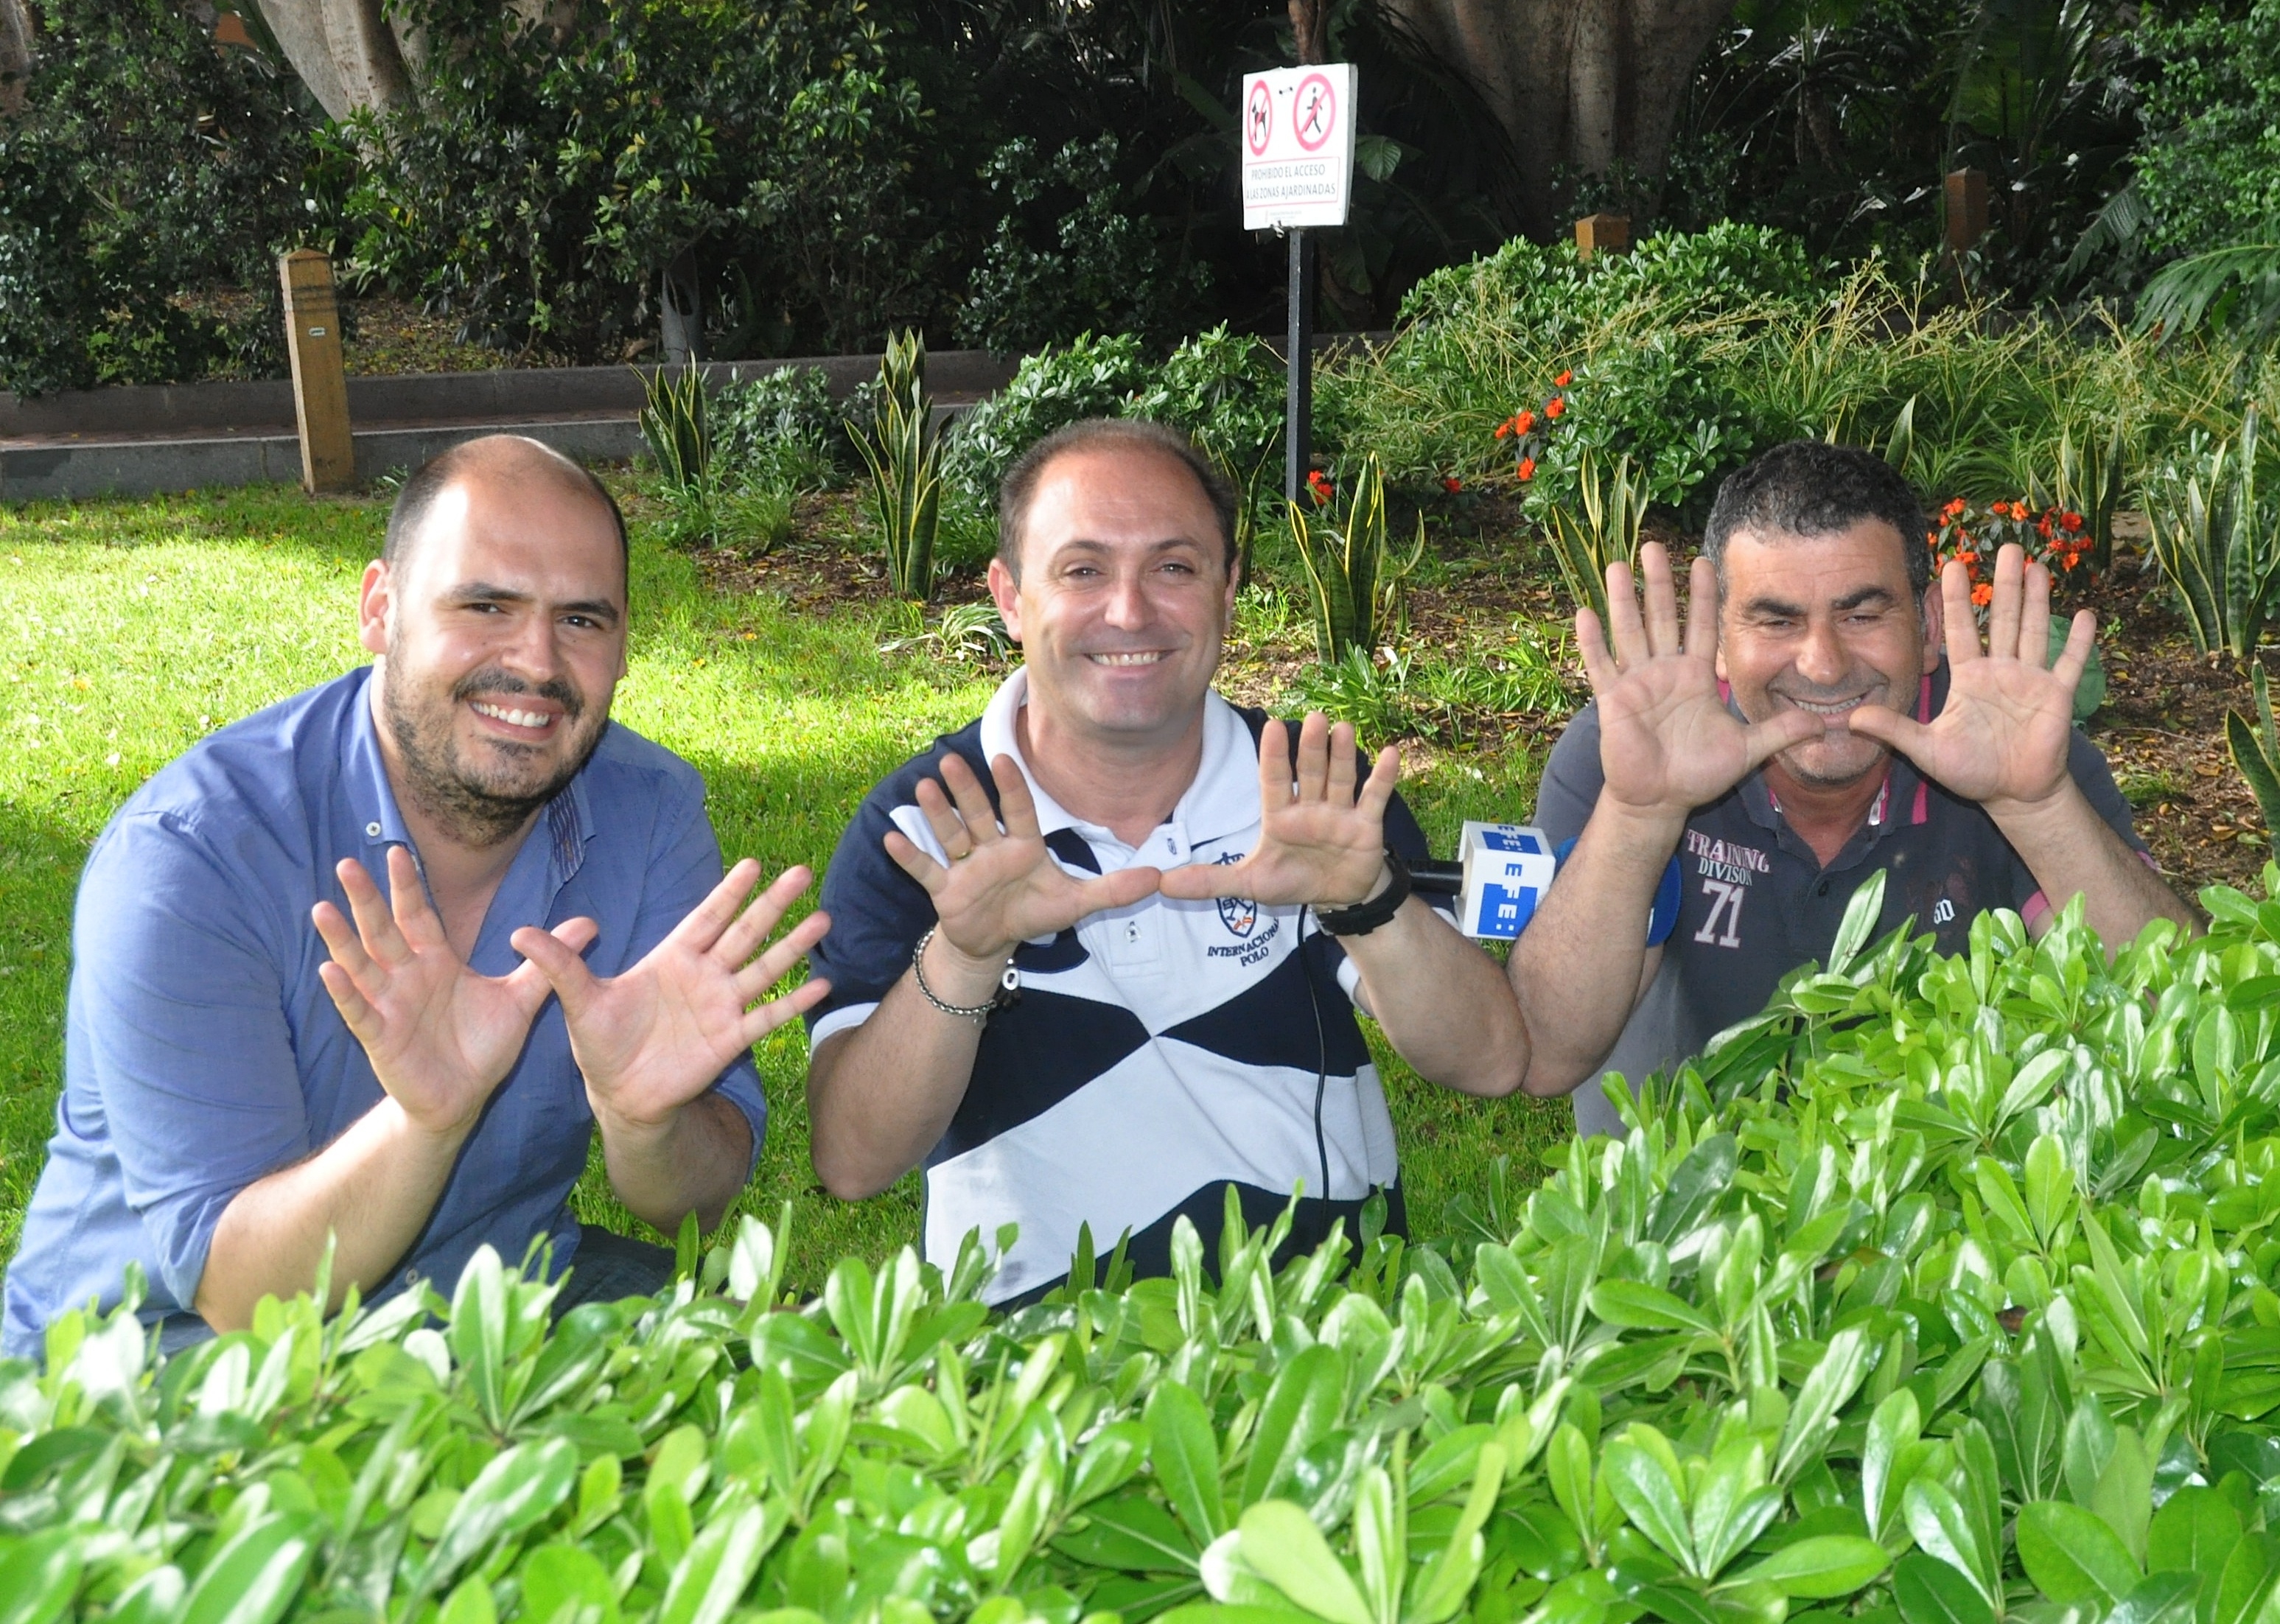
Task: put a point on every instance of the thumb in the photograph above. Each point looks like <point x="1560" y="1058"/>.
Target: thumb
<point x="1195" y="882"/>
<point x="1779" y="732"/>
<point x="1120" y="890"/>
<point x="1887" y="727"/>
<point x="555" y="957"/>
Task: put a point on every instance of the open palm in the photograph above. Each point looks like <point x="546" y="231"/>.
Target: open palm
<point x="1001" y="887"/>
<point x="1320" y="841"/>
<point x="2003" y="734"/>
<point x="651" y="1040"/>
<point x="1666" y="740"/>
<point x="440" y="1036"/>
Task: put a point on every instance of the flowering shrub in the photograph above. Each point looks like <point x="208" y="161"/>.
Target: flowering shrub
<point x="1531" y="429"/>
<point x="2056" y="538"/>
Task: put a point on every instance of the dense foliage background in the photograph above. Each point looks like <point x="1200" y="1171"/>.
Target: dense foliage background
<point x="1014" y="173"/>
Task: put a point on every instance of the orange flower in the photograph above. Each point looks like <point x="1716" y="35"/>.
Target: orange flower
<point x="2070" y="521"/>
<point x="1319" y="483"/>
<point x="1452" y="484"/>
<point x="2018" y="512"/>
<point x="1504" y="428"/>
<point x="1563" y="379"/>
<point x="1953" y="508"/>
<point x="1981" y="595"/>
<point x="1526" y="469"/>
<point x="1555" y="406"/>
<point x="2072" y="560"/>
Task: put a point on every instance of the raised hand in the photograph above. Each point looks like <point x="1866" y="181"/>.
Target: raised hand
<point x="2002" y="737"/>
<point x="651" y="1040"/>
<point x="1320" y="843"/>
<point x="1002" y="888"/>
<point x="1668" y="743"/>
<point x="440" y="1036"/>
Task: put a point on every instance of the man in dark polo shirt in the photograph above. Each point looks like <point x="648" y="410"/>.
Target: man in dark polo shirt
<point x="1191" y="907"/>
<point x="1801" y="733"/>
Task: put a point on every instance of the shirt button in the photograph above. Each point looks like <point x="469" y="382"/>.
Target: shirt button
<point x="372" y="831"/>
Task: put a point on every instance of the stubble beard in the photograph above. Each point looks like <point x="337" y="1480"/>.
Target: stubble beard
<point x="476" y="813"/>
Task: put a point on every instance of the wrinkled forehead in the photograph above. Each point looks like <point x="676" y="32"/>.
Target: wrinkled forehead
<point x="1832" y="566"/>
<point x="1115" y="499"/>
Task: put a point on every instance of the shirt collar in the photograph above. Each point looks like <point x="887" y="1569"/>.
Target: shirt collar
<point x="1223" y="800"/>
<point x="569" y="820"/>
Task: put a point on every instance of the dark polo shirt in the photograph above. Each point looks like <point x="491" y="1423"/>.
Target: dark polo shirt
<point x="1756" y="902"/>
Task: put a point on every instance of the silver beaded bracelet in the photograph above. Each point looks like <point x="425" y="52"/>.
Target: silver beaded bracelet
<point x="1009" y="987"/>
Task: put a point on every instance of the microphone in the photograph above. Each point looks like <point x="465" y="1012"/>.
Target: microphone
<point x="1500" y="876"/>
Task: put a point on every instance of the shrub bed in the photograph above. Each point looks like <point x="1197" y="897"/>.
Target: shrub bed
<point x="1940" y="1292"/>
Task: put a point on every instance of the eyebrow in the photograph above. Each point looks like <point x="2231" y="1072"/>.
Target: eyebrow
<point x="1087" y="544"/>
<point x="1866" y="597"/>
<point x="485" y="592"/>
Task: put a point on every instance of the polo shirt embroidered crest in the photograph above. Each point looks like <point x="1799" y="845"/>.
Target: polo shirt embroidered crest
<point x="1159" y="1052"/>
<point x="1755" y="901"/>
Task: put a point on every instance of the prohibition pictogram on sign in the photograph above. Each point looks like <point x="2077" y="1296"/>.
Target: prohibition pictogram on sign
<point x="1315" y="112"/>
<point x="1259" y="118"/>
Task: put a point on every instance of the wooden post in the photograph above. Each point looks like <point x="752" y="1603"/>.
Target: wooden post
<point x="1602" y="233"/>
<point x="1967" y="210"/>
<point x="320" y="385"/>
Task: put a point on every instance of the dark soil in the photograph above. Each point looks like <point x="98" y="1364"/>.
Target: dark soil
<point x="2161" y="727"/>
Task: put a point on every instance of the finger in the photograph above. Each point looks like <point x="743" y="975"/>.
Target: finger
<point x="1199" y="882"/>
<point x="773" y="965"/>
<point x="1377" y="789"/>
<point x="915" y="863"/>
<point x="341" y="941"/>
<point x="1628" y="630"/>
<point x="973" y="800"/>
<point x="1338" y="787"/>
<point x="1904" y="734"/>
<point x="706" y="922"/>
<point x="577" y="934"/>
<point x="407" y="900"/>
<point x="948" y="828"/>
<point x="1313" y="757"/>
<point x="1963" y="625"/>
<point x="375" y="926"/>
<point x="355" y="1010"/>
<point x="761" y="1021"/>
<point x="2082" y="640"/>
<point x="1599" y="668"/>
<point x="2035" y="618"/>
<point x="1702" y="610"/>
<point x="563" y="970"/>
<point x="1662" y="599"/>
<point x="1779" y="732"/>
<point x="1125" y="886"/>
<point x="742" y="939"/>
<point x="1017" y="808"/>
<point x="1274" y="765"/>
<point x="2010" y="591"/>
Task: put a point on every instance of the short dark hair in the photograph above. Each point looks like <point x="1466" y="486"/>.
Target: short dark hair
<point x="1810" y="488"/>
<point x="465" y="460"/>
<point x="1019" y="488"/>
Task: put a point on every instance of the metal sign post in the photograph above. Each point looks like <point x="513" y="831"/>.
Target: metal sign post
<point x="1297" y="175"/>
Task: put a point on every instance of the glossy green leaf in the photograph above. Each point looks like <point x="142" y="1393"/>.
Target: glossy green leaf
<point x="1820" y="1568"/>
<point x="1928" y="1590"/>
<point x="711" y="1577"/>
<point x="1282" y="1544"/>
<point x="1183" y="1453"/>
<point x="254" y="1576"/>
<point x="515" y="1490"/>
<point x="38" y="1574"/>
<point x="2194" y="1532"/>
<point x="2072" y="1556"/>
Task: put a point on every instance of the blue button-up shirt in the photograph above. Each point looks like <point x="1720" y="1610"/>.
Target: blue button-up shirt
<point x="202" y="1051"/>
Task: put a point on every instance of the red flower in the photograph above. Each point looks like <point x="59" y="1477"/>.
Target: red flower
<point x="1526" y="469"/>
<point x="1563" y="379"/>
<point x="1523" y="422"/>
<point x="2070" y="521"/>
<point x="1320" y="484"/>
<point x="2071" y="560"/>
<point x="1953" y="508"/>
<point x="1981" y="595"/>
<point x="1452" y="484"/>
<point x="1555" y="406"/>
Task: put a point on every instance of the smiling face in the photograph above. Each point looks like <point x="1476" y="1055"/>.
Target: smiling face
<point x="1123" y="596"/>
<point x="1825" y="624"/>
<point x="502" y="635"/>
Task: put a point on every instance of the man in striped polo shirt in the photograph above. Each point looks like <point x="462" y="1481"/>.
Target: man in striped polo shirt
<point x="1095" y="956"/>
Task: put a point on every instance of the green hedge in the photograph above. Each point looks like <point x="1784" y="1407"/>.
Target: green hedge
<point x="1939" y="1293"/>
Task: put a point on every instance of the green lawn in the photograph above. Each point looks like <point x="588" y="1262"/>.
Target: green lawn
<point x="130" y="629"/>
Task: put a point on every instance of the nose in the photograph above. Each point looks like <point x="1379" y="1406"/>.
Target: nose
<point x="530" y="648"/>
<point x="1128" y="602"/>
<point x="1822" y="660"/>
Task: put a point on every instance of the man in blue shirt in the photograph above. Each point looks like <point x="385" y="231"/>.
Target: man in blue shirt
<point x="239" y="1086"/>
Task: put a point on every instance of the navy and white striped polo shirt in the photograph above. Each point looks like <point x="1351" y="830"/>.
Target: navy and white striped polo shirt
<point x="1158" y="1051"/>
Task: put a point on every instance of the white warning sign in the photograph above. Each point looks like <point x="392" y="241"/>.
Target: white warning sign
<point x="1297" y="146"/>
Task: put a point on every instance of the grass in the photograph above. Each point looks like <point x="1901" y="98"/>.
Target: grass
<point x="133" y="629"/>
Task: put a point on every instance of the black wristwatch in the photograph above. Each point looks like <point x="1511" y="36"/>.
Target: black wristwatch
<point x="1364" y="917"/>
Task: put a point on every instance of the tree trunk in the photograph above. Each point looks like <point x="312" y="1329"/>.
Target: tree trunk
<point x="344" y="51"/>
<point x="1584" y="83"/>
<point x="15" y="55"/>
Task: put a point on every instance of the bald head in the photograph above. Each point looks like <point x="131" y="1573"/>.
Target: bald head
<point x="493" y="465"/>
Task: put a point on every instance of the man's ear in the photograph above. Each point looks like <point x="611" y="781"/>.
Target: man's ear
<point x="1006" y="592"/>
<point x="376" y="598"/>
